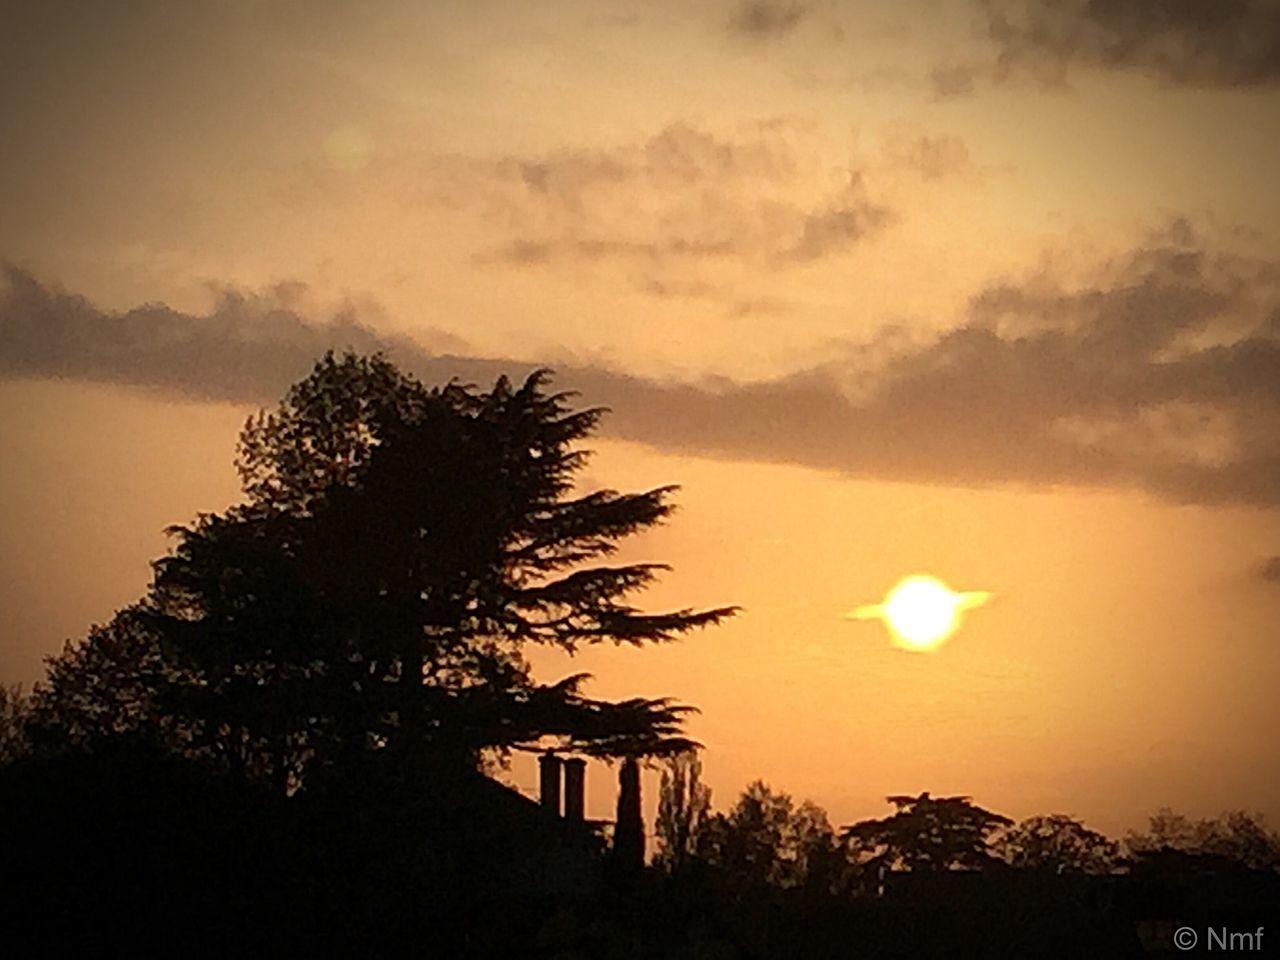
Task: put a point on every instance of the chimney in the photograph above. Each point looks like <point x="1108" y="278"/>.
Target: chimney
<point x="575" y="789"/>
<point x="549" y="781"/>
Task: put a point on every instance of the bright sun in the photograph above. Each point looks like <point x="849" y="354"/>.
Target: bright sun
<point x="922" y="611"/>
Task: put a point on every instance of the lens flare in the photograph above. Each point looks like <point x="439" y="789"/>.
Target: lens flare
<point x="922" y="611"/>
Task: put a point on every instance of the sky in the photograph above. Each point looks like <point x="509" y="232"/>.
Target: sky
<point x="982" y="289"/>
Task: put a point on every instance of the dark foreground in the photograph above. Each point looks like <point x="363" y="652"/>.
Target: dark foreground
<point x="130" y="853"/>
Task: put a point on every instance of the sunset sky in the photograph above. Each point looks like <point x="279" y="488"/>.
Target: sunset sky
<point x="984" y="290"/>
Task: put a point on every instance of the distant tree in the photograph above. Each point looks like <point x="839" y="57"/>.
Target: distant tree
<point x="684" y="804"/>
<point x="14" y="710"/>
<point x="765" y="840"/>
<point x="926" y="834"/>
<point x="1237" y="836"/>
<point x="1166" y="829"/>
<point x="1058" y="844"/>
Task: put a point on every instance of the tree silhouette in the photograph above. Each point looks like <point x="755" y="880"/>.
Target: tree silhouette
<point x="765" y="840"/>
<point x="14" y="711"/>
<point x="1058" y="844"/>
<point x="927" y="834"/>
<point x="1238" y="836"/>
<point x="108" y="684"/>
<point x="684" y="805"/>
<point x="398" y="548"/>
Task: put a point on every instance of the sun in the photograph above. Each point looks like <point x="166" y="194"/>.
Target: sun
<point x="922" y="611"/>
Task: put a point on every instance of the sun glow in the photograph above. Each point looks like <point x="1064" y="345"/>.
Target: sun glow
<point x="922" y="611"/>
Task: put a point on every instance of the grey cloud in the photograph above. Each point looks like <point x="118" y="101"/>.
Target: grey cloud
<point x="837" y="228"/>
<point x="957" y="80"/>
<point x="736" y="303"/>
<point x="247" y="348"/>
<point x="678" y="155"/>
<point x="765" y="19"/>
<point x="532" y="252"/>
<point x="1134" y="379"/>
<point x="932" y="157"/>
<point x="682" y="194"/>
<point x="1269" y="570"/>
<point x="1205" y="43"/>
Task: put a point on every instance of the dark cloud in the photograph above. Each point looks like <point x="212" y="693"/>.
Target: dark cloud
<point x="683" y="194"/>
<point x="837" y="228"/>
<point x="1157" y="372"/>
<point x="932" y="157"/>
<point x="764" y="19"/>
<point x="1204" y="43"/>
<point x="956" y="80"/>
<point x="1269" y="570"/>
<point x="736" y="303"/>
<point x="247" y="348"/>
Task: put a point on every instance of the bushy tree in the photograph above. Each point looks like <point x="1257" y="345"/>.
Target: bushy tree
<point x="766" y="840"/>
<point x="684" y="806"/>
<point x="398" y="547"/>
<point x="14" y="710"/>
<point x="926" y="834"/>
<point x="1237" y="836"/>
<point x="110" y="683"/>
<point x="1058" y="844"/>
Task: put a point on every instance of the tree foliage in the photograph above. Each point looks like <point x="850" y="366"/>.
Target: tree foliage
<point x="14" y="711"/>
<point x="1058" y="844"/>
<point x="108" y="684"/>
<point x="1237" y="836"/>
<point x="684" y="806"/>
<point x="398" y="548"/>
<point x="927" y="834"/>
<point x="766" y="840"/>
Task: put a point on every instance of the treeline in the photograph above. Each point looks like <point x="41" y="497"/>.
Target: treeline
<point x="767" y="840"/>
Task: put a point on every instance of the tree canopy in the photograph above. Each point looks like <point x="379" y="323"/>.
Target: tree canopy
<point x="1057" y="843"/>
<point x="684" y="805"/>
<point x="398" y="547"/>
<point x="927" y="833"/>
<point x="1238" y="837"/>
<point x="767" y="840"/>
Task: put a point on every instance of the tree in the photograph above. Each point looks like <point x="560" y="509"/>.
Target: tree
<point x="1058" y="844"/>
<point x="684" y="805"/>
<point x="14" y="710"/>
<point x="1237" y="836"/>
<point x="106" y="685"/>
<point x="927" y="834"/>
<point x="767" y="841"/>
<point x="398" y="548"/>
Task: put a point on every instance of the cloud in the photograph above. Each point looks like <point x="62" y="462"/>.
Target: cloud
<point x="932" y="157"/>
<point x="685" y="194"/>
<point x="954" y="80"/>
<point x="1269" y="570"/>
<point x="1223" y="44"/>
<point x="247" y="348"/>
<point x="1158" y="370"/>
<point x="763" y="19"/>
<point x="848" y="217"/>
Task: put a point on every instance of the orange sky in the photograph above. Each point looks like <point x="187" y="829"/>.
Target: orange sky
<point x="889" y="288"/>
